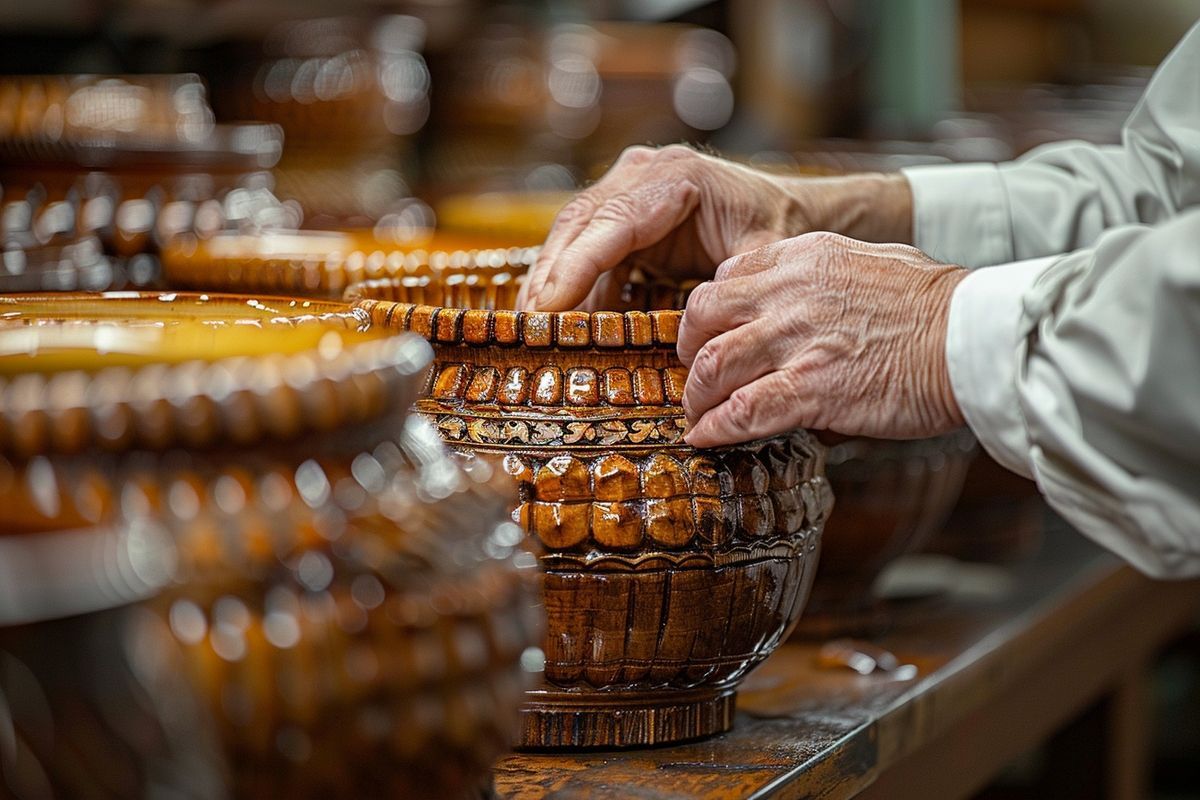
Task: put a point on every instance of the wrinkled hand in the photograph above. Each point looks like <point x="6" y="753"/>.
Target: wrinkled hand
<point x="673" y="211"/>
<point x="821" y="332"/>
<point x="676" y="214"/>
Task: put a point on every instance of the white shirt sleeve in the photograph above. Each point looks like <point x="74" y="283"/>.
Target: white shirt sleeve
<point x="1083" y="372"/>
<point x="1061" y="197"/>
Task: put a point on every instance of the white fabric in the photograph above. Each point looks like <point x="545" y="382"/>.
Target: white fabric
<point x="982" y="344"/>
<point x="1083" y="370"/>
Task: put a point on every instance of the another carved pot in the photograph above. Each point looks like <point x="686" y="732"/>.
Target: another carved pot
<point x="892" y="497"/>
<point x="349" y="605"/>
<point x="669" y="572"/>
<point x="325" y="263"/>
<point x="999" y="517"/>
<point x="94" y="701"/>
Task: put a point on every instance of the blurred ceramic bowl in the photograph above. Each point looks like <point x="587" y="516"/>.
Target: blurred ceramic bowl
<point x="337" y="604"/>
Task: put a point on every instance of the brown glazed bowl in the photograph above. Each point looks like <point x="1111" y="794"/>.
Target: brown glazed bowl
<point x="999" y="517"/>
<point x="669" y="572"/>
<point x="339" y="607"/>
<point x="325" y="263"/>
<point x="892" y="497"/>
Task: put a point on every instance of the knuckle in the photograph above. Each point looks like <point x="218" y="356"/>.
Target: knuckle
<point x="741" y="410"/>
<point x="635" y="155"/>
<point x="676" y="156"/>
<point x="822" y="239"/>
<point x="730" y="266"/>
<point x="762" y="259"/>
<point x="674" y="152"/>
<point x="621" y="208"/>
<point x="707" y="364"/>
<point x="699" y="301"/>
<point x="581" y="207"/>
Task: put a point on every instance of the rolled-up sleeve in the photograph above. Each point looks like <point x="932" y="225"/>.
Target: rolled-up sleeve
<point x="1083" y="372"/>
<point x="1061" y="197"/>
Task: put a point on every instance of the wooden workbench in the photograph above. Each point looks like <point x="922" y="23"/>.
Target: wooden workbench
<point x="996" y="675"/>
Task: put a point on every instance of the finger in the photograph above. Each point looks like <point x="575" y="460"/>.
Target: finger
<point x="522" y="294"/>
<point x="730" y="361"/>
<point x="756" y="239"/>
<point x="609" y="292"/>
<point x="571" y="219"/>
<point x="627" y="222"/>
<point x="712" y="309"/>
<point x="771" y="405"/>
<point x="575" y="215"/>
<point x="747" y="263"/>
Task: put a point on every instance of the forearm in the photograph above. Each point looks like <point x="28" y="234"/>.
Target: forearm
<point x="1062" y="197"/>
<point x="871" y="207"/>
<point x="1081" y="371"/>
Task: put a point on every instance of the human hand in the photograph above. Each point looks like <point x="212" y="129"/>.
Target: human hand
<point x="676" y="214"/>
<point x="822" y="332"/>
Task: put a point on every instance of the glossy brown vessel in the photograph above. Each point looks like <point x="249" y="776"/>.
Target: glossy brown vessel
<point x="999" y="517"/>
<point x="670" y="572"/>
<point x="892" y="497"/>
<point x="325" y="263"/>
<point x="348" y="604"/>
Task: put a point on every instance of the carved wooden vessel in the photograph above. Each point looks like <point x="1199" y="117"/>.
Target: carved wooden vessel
<point x="670" y="572"/>
<point x="999" y="517"/>
<point x="349" y="606"/>
<point x="892" y="497"/>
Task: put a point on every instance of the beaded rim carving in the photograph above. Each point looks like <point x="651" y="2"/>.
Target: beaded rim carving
<point x="532" y="329"/>
<point x="235" y="400"/>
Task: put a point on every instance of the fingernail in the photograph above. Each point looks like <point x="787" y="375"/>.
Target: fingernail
<point x="545" y="295"/>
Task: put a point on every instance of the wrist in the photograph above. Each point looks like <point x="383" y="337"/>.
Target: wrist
<point x="871" y="207"/>
<point x="944" y="410"/>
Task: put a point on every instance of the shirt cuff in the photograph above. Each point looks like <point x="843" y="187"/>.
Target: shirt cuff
<point x="960" y="214"/>
<point x="984" y="349"/>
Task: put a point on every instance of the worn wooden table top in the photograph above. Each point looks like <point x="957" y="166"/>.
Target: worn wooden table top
<point x="997" y="669"/>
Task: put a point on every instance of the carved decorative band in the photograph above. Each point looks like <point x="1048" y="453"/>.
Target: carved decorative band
<point x="577" y="564"/>
<point x="532" y="329"/>
<point x="660" y="500"/>
<point x="515" y="433"/>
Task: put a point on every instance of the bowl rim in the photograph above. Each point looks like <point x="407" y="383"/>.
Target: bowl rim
<point x="318" y="307"/>
<point x="236" y="261"/>
<point x="231" y="400"/>
<point x="536" y="330"/>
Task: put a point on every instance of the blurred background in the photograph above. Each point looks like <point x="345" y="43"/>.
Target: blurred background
<point x="127" y="124"/>
<point x="407" y="112"/>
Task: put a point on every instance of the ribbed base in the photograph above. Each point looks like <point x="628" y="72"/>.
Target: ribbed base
<point x="554" y="719"/>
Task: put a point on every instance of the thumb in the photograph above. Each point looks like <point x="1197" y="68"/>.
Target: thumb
<point x="626" y="223"/>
